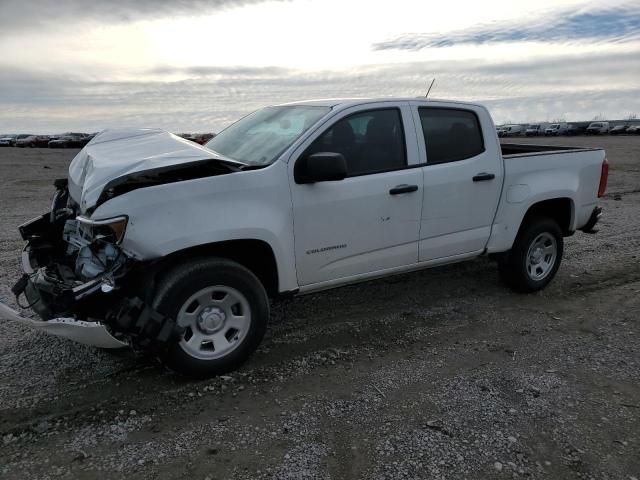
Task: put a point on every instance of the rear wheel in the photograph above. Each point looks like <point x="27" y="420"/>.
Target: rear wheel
<point x="224" y="310"/>
<point x="535" y="257"/>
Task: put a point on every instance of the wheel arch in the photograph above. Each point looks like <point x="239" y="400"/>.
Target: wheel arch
<point x="506" y="229"/>
<point x="255" y="255"/>
<point x="561" y="209"/>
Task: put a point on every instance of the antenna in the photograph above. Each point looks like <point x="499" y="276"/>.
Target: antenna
<point x="432" y="82"/>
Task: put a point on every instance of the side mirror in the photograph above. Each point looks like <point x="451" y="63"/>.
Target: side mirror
<point x="320" y="167"/>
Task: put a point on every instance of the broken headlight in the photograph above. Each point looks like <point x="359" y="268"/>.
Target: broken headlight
<point x="111" y="230"/>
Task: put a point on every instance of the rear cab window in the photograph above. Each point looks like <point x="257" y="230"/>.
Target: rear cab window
<point x="450" y="134"/>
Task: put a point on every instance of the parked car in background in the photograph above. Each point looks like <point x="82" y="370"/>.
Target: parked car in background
<point x="25" y="141"/>
<point x="73" y="140"/>
<point x="598" y="128"/>
<point x="40" y="141"/>
<point x="633" y="130"/>
<point x="59" y="142"/>
<point x="203" y="138"/>
<point x="556" y="129"/>
<point x="535" y="130"/>
<point x="78" y="139"/>
<point x="187" y="136"/>
<point x="199" y="138"/>
<point x="618" y="129"/>
<point x="21" y="138"/>
<point x="500" y="131"/>
<point x="32" y="141"/>
<point x="573" y="129"/>
<point x="62" y="142"/>
<point x="8" y="141"/>
<point x="513" y="130"/>
<point x="86" y="139"/>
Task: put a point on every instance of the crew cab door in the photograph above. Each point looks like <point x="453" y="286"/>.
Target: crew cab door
<point x="370" y="220"/>
<point x="463" y="176"/>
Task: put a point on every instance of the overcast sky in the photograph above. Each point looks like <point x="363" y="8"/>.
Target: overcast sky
<point x="196" y="65"/>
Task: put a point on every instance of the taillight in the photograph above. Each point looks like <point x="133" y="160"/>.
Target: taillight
<point x="604" y="175"/>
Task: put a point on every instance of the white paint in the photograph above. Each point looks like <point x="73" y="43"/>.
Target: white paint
<point x="88" y="333"/>
<point x="457" y="212"/>
<point x="378" y="230"/>
<point x="115" y="153"/>
<point x="518" y="193"/>
<point x="449" y="217"/>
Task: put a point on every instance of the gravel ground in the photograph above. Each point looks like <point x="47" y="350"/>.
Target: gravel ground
<point x="439" y="374"/>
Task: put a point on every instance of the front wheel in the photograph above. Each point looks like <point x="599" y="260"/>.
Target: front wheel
<point x="535" y="256"/>
<point x="224" y="310"/>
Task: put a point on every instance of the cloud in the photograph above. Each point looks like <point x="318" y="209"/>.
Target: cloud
<point x="216" y="70"/>
<point x="17" y="15"/>
<point x="575" y="87"/>
<point x="612" y="25"/>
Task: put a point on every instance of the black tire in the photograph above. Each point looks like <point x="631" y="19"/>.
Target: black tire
<point x="513" y="264"/>
<point x="180" y="283"/>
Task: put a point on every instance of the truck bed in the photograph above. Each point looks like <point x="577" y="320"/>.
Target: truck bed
<point x="511" y="150"/>
<point x="537" y="172"/>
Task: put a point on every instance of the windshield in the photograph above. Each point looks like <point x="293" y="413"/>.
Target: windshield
<point x="595" y="125"/>
<point x="554" y="125"/>
<point x="261" y="137"/>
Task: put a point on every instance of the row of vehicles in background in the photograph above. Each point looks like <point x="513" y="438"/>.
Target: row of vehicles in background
<point x="199" y="138"/>
<point x="563" y="128"/>
<point x="66" y="140"/>
<point x="74" y="140"/>
<point x="629" y="129"/>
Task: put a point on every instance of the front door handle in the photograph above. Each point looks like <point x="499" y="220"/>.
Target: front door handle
<point x="483" y="177"/>
<point x="397" y="190"/>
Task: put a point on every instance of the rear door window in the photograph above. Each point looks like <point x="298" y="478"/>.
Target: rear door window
<point x="450" y="134"/>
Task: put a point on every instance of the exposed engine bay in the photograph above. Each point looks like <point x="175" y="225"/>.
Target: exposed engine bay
<point x="95" y="254"/>
<point x="75" y="269"/>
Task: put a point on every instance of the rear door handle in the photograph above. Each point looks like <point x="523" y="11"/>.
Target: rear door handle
<point x="397" y="190"/>
<point x="483" y="177"/>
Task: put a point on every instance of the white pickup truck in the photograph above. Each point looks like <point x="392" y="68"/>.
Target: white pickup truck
<point x="156" y="242"/>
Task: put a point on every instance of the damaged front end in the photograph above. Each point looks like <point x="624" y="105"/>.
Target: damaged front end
<point x="77" y="275"/>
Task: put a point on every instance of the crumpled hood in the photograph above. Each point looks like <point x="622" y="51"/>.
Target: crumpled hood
<point x="119" y="152"/>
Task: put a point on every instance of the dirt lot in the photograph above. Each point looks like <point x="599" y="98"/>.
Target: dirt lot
<point x="438" y="374"/>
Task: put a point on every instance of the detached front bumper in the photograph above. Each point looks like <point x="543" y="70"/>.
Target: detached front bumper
<point x="88" y="333"/>
<point x="84" y="288"/>
<point x="67" y="306"/>
<point x="43" y="294"/>
<point x="64" y="308"/>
